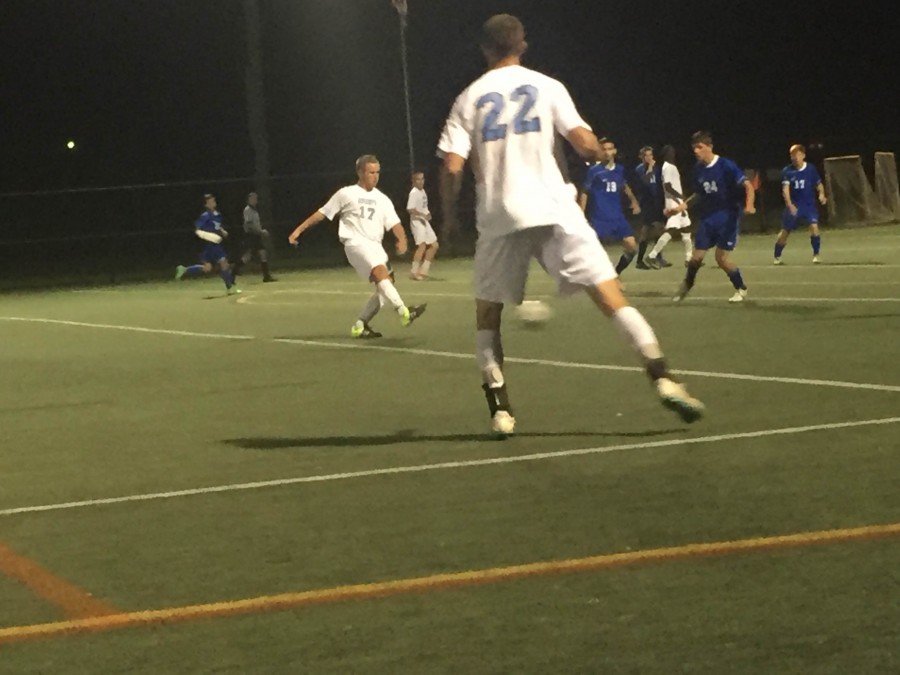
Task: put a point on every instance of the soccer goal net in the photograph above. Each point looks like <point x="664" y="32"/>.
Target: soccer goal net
<point x="851" y="199"/>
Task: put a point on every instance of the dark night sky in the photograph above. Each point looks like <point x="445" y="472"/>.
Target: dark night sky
<point x="153" y="89"/>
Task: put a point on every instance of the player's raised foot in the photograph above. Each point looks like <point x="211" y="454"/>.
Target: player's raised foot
<point x="503" y="424"/>
<point x="643" y="265"/>
<point x="777" y="261"/>
<point x="662" y="262"/>
<point x="653" y="264"/>
<point x="179" y="272"/>
<point x="234" y="290"/>
<point x="410" y="314"/>
<point x="675" y="397"/>
<point x="816" y="260"/>
<point x="683" y="290"/>
<point x="364" y="332"/>
<point x="739" y="295"/>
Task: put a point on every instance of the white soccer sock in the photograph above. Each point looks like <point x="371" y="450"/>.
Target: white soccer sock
<point x="635" y="328"/>
<point x="415" y="267"/>
<point x="371" y="308"/>
<point x="664" y="239"/>
<point x="426" y="265"/>
<point x="489" y="350"/>
<point x="389" y="292"/>
<point x="688" y="245"/>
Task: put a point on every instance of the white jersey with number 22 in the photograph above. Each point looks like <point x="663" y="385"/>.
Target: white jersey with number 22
<point x="506" y="122"/>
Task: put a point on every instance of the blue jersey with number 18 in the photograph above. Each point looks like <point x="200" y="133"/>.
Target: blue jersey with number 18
<point x="508" y="123"/>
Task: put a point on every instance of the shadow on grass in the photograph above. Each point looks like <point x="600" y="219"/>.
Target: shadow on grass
<point x="410" y="436"/>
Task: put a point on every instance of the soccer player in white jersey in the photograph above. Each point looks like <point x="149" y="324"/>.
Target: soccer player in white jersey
<point x="506" y="123"/>
<point x="420" y="223"/>
<point x="677" y="223"/>
<point x="365" y="213"/>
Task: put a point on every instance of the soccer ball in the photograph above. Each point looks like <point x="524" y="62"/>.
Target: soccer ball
<point x="534" y="313"/>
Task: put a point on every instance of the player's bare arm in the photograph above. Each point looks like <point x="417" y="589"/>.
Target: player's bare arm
<point x="786" y="194"/>
<point x="672" y="192"/>
<point x="400" y="234"/>
<point x="314" y="219"/>
<point x="582" y="201"/>
<point x="750" y="206"/>
<point x="635" y="206"/>
<point x="585" y="143"/>
<point x="820" y="189"/>
<point x="450" y="185"/>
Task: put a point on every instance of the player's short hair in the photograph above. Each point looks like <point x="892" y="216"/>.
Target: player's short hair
<point x="503" y="35"/>
<point x="796" y="147"/>
<point x="252" y="194"/>
<point x="646" y="148"/>
<point x="667" y="153"/>
<point x="417" y="172"/>
<point x="703" y="137"/>
<point x="365" y="159"/>
<point x="208" y="196"/>
<point x="605" y="139"/>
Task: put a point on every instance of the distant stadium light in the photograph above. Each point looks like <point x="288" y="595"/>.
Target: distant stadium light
<point x="70" y="145"/>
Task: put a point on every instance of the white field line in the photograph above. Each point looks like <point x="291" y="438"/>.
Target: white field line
<point x="250" y="297"/>
<point x="467" y="357"/>
<point x="133" y="329"/>
<point x="439" y="466"/>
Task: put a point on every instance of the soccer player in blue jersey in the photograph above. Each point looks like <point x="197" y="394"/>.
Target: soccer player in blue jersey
<point x="602" y="192"/>
<point x="647" y="181"/>
<point x="722" y="193"/>
<point x="208" y="227"/>
<point x="800" y="185"/>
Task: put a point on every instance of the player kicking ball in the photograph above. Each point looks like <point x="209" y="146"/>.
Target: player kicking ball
<point x="364" y="214"/>
<point x="506" y="123"/>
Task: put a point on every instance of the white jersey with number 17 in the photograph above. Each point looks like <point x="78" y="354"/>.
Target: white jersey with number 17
<point x="507" y="123"/>
<point x="364" y="214"/>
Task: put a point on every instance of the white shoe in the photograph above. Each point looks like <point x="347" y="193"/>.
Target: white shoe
<point x="739" y="295"/>
<point x="675" y="397"/>
<point x="503" y="424"/>
<point x="815" y="260"/>
<point x="777" y="261"/>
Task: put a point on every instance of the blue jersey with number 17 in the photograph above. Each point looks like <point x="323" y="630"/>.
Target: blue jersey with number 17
<point x="802" y="183"/>
<point x="719" y="187"/>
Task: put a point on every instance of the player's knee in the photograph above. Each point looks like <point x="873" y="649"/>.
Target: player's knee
<point x="435" y="246"/>
<point x="487" y="315"/>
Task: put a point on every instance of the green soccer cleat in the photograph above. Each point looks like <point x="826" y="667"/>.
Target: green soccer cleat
<point x="179" y="272"/>
<point x="234" y="290"/>
<point x="675" y="397"/>
<point x="364" y="332"/>
<point x="410" y="314"/>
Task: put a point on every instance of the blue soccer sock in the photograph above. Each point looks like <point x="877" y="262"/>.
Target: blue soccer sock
<point x="736" y="280"/>
<point x="624" y="261"/>
<point x="778" y="249"/>
<point x="816" y="242"/>
<point x="227" y="277"/>
<point x="193" y="269"/>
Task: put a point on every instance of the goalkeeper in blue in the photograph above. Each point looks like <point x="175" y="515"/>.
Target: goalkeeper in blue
<point x="800" y="186"/>
<point x="208" y="227"/>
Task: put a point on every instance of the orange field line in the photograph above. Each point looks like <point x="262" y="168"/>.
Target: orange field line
<point x="383" y="589"/>
<point x="74" y="602"/>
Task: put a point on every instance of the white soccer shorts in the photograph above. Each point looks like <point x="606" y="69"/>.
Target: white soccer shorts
<point x="572" y="255"/>
<point x="422" y="232"/>
<point x="365" y="256"/>
<point x="678" y="221"/>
